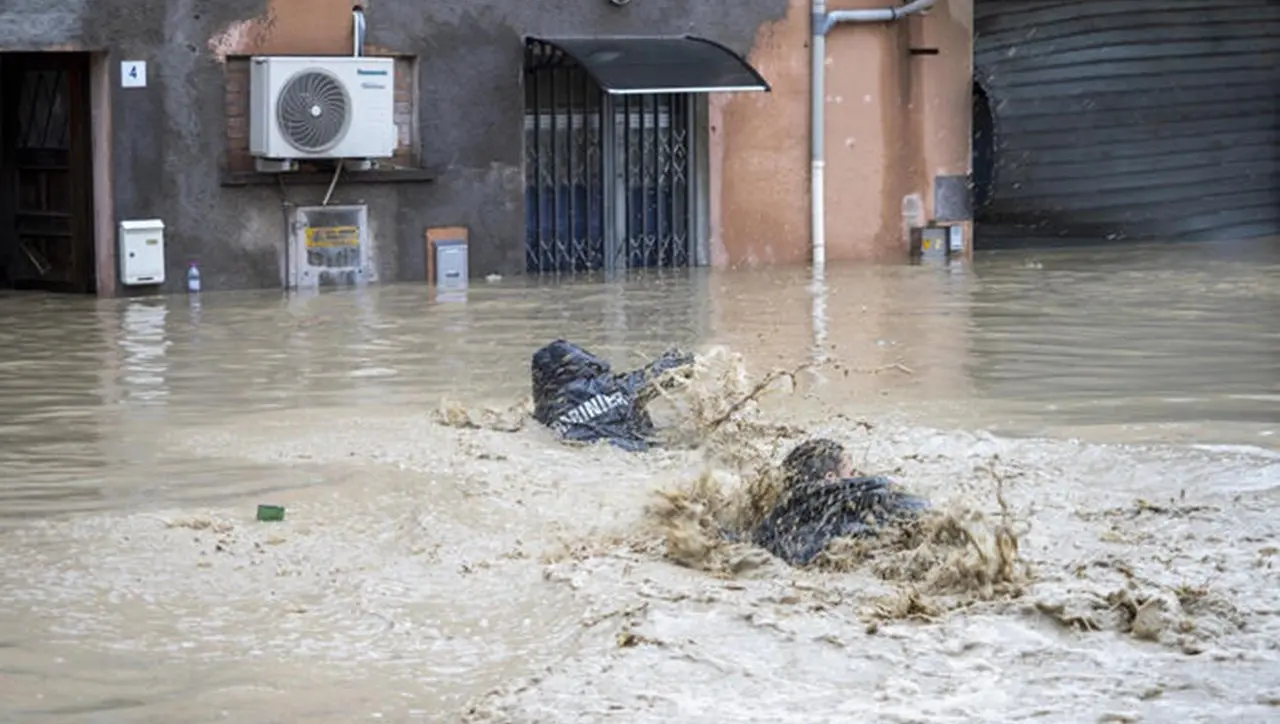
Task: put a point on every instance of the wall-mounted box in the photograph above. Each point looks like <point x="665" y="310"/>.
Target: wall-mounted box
<point x="451" y="264"/>
<point x="447" y="258"/>
<point x="929" y="242"/>
<point x="331" y="247"/>
<point x="956" y="240"/>
<point x="141" y="250"/>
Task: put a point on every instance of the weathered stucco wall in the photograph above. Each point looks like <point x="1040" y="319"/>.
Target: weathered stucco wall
<point x="169" y="139"/>
<point x="894" y="122"/>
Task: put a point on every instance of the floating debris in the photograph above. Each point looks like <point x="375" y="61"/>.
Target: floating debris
<point x="268" y="513"/>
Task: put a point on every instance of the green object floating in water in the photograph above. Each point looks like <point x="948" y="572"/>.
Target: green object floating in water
<point x="270" y="512"/>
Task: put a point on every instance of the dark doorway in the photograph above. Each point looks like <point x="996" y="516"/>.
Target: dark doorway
<point x="610" y="182"/>
<point x="984" y="151"/>
<point x="46" y="173"/>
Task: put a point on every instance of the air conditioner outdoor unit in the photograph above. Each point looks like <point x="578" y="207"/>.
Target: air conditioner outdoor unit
<point x="339" y="107"/>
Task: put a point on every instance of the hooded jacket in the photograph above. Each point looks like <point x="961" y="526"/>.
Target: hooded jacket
<point x="813" y="514"/>
<point x="578" y="396"/>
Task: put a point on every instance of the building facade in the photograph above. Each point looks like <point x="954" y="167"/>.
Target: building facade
<point x="501" y="129"/>
<point x="571" y="135"/>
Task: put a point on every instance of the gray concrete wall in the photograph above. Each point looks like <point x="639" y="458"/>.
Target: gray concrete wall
<point x="169" y="138"/>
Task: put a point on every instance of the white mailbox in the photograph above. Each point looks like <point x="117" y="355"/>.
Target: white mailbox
<point x="142" y="252"/>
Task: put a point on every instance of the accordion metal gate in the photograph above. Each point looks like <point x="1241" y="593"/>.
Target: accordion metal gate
<point x="609" y="180"/>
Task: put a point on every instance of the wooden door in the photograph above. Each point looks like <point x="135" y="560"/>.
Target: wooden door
<point x="48" y="160"/>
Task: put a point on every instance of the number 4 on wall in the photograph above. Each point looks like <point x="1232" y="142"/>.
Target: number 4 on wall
<point x="133" y="74"/>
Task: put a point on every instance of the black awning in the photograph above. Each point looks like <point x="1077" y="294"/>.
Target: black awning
<point x="670" y="64"/>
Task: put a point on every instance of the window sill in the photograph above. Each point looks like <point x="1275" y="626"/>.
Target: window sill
<point x="323" y="178"/>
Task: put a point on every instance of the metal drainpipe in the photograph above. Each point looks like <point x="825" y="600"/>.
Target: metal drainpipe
<point x="357" y="31"/>
<point x="823" y="22"/>
<point x="817" y="131"/>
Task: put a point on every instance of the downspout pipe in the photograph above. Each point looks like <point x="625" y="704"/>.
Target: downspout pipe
<point x="823" y="23"/>
<point x="357" y="31"/>
<point x="817" y="136"/>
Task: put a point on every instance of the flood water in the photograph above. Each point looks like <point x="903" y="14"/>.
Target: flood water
<point x="429" y="573"/>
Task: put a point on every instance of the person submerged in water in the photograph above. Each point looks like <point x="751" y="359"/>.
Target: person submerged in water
<point x="578" y="395"/>
<point x="823" y="500"/>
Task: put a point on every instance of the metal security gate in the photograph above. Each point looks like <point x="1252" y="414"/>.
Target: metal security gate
<point x="1130" y="121"/>
<point x="604" y="194"/>
<point x="653" y="133"/>
<point x="564" y="169"/>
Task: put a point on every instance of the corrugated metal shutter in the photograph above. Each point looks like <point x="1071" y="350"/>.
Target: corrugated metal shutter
<point x="1130" y="119"/>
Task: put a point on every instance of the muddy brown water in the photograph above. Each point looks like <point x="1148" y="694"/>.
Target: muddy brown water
<point x="431" y="573"/>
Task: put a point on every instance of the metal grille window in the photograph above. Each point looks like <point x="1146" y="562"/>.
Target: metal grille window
<point x="654" y="134"/>
<point x="564" y="176"/>
<point x="603" y="194"/>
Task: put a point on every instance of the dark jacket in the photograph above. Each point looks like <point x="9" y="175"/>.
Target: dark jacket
<point x="580" y="398"/>
<point x="813" y="514"/>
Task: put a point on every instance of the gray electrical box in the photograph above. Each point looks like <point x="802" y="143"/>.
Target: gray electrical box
<point x="331" y="247"/>
<point x="929" y="242"/>
<point x="451" y="265"/>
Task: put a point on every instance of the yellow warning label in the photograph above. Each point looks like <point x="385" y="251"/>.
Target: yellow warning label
<point x="333" y="237"/>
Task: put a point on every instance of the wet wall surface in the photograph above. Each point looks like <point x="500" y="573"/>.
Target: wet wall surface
<point x="169" y="137"/>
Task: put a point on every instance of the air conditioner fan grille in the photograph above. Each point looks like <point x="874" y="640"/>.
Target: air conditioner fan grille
<point x="312" y="111"/>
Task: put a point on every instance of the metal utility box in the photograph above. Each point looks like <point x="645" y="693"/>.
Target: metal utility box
<point x="331" y="248"/>
<point x="451" y="265"/>
<point x="929" y="242"/>
<point x="141" y="250"/>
